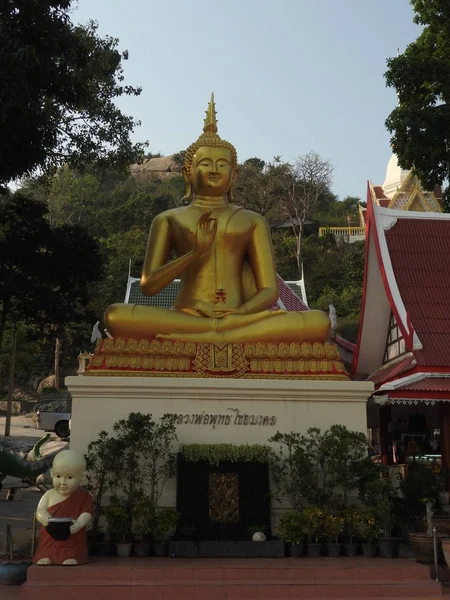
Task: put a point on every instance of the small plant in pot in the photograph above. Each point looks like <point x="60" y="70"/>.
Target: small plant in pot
<point x="163" y="524"/>
<point x="142" y="514"/>
<point x="291" y="529"/>
<point x="118" y="521"/>
<point x="381" y="497"/>
<point x="422" y="544"/>
<point x="314" y="518"/>
<point x="352" y="519"/>
<point x="368" y="532"/>
<point x="333" y="526"/>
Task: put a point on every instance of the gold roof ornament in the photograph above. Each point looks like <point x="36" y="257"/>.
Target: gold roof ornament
<point x="210" y="123"/>
<point x="209" y="138"/>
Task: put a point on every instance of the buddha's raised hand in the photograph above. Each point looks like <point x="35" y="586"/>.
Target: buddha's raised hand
<point x="206" y="233"/>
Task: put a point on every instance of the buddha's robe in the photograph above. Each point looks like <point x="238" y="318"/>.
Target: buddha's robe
<point x="57" y="551"/>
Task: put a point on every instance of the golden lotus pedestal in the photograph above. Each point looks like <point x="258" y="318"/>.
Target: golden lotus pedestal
<point x="130" y="358"/>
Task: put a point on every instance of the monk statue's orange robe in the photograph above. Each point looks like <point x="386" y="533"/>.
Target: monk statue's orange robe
<point x="57" y="551"/>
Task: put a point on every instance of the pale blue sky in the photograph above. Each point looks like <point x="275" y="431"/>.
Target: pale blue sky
<point x="289" y="76"/>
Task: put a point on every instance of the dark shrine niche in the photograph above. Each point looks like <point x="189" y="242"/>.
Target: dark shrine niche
<point x="221" y="502"/>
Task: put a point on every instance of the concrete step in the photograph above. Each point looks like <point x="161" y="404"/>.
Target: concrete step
<point x="232" y="579"/>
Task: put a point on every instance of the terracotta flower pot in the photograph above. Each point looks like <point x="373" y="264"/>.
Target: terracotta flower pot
<point x="445" y="543"/>
<point x="423" y="548"/>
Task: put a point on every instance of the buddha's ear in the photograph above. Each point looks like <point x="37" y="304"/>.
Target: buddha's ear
<point x="232" y="186"/>
<point x="187" y="181"/>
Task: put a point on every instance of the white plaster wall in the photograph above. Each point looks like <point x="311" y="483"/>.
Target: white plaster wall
<point x="98" y="402"/>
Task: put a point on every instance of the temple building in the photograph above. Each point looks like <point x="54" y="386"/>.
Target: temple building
<point x="404" y="337"/>
<point x="401" y="190"/>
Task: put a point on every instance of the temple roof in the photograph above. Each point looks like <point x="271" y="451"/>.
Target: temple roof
<point x="407" y="276"/>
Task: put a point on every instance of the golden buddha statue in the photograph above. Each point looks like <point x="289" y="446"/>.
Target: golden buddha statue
<point x="224" y="259"/>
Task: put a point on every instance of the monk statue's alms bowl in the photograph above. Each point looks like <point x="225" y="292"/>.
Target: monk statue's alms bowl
<point x="223" y="258"/>
<point x="59" y="528"/>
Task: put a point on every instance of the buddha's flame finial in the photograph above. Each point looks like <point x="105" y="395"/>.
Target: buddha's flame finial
<point x="210" y="123"/>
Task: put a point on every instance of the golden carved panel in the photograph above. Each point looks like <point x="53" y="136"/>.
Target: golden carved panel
<point x="224" y="497"/>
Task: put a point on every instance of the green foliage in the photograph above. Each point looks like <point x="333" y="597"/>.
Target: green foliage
<point x="216" y="453"/>
<point x="135" y="464"/>
<point x="148" y="459"/>
<point x="421" y="481"/>
<point x="101" y="460"/>
<point x="163" y="522"/>
<point x="46" y="273"/>
<point x="369" y="528"/>
<point x="314" y="520"/>
<point x="291" y="527"/>
<point x="382" y="500"/>
<point x="58" y="92"/>
<point x="333" y="526"/>
<point x="320" y="469"/>
<point x="142" y="517"/>
<point x="117" y="517"/>
<point x="420" y="123"/>
<point x="352" y="517"/>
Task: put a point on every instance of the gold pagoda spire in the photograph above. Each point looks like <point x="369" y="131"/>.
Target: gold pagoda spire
<point x="210" y="123"/>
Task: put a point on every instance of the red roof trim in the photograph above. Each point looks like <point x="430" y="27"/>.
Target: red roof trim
<point x="422" y="395"/>
<point x="369" y="226"/>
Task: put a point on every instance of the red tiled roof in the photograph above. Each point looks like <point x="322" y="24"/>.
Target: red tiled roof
<point x="345" y="343"/>
<point x="431" y="384"/>
<point x="379" y="192"/>
<point x="292" y="302"/>
<point x="392" y="370"/>
<point x="384" y="202"/>
<point x="419" y="250"/>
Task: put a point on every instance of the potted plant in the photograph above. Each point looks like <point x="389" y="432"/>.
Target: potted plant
<point x="119" y="526"/>
<point x="368" y="531"/>
<point x="422" y="544"/>
<point x="381" y="497"/>
<point x="142" y="513"/>
<point x="102" y="458"/>
<point x="313" y="517"/>
<point x="352" y="519"/>
<point x="291" y="529"/>
<point x="333" y="526"/>
<point x="163" y="523"/>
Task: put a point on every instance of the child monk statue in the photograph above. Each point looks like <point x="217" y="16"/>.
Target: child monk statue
<point x="66" y="500"/>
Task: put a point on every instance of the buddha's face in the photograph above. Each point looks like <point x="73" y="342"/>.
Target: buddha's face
<point x="211" y="171"/>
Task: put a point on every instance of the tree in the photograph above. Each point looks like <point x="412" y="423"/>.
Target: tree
<point x="420" y="124"/>
<point x="259" y="189"/>
<point x="304" y="183"/>
<point x="46" y="273"/>
<point x="58" y="87"/>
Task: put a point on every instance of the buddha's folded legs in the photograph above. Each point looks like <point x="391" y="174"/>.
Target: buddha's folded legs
<point x="136" y="321"/>
<point x="308" y="326"/>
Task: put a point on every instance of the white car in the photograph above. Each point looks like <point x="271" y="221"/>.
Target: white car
<point x="54" y="416"/>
